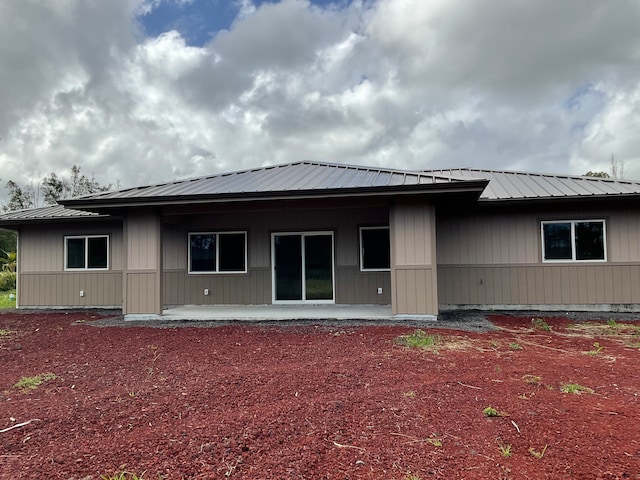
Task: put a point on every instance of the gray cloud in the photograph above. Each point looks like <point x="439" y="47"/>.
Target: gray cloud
<point x="494" y="84"/>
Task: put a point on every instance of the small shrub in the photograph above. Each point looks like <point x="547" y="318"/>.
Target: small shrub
<point x="7" y="281"/>
<point x="574" y="388"/>
<point x="540" y="324"/>
<point x="31" y="383"/>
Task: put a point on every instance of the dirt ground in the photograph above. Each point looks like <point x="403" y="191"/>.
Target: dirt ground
<point x="318" y="401"/>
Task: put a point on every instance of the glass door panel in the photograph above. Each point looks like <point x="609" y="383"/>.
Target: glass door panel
<point x="303" y="267"/>
<point x="318" y="267"/>
<point x="288" y="267"/>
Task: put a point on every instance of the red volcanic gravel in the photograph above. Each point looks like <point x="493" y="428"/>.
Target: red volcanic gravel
<point x="317" y="402"/>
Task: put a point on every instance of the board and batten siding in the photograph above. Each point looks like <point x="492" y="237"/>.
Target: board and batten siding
<point x="255" y="287"/>
<point x="413" y="267"/>
<point x="143" y="274"/>
<point x="495" y="259"/>
<point x="42" y="280"/>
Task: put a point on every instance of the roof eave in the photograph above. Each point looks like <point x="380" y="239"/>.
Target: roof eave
<point x="8" y="224"/>
<point x="471" y="186"/>
<point x="557" y="199"/>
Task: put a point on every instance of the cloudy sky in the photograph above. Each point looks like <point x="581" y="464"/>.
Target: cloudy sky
<point x="141" y="91"/>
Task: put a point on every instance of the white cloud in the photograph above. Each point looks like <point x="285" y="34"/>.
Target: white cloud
<point x="404" y="83"/>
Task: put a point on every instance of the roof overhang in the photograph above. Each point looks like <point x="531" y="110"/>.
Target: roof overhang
<point x="472" y="188"/>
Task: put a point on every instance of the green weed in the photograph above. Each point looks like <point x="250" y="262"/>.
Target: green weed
<point x="435" y="440"/>
<point x="6" y="333"/>
<point x="540" y="324"/>
<point x="418" y="339"/>
<point x="491" y="412"/>
<point x="538" y="454"/>
<point x="532" y="379"/>
<point x="515" y="346"/>
<point x="411" y="476"/>
<point x="505" y="449"/>
<point x="574" y="388"/>
<point x="31" y="383"/>
<point x="596" y="349"/>
<point x="122" y="476"/>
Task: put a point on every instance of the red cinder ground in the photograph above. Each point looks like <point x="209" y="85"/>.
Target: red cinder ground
<point x="317" y="402"/>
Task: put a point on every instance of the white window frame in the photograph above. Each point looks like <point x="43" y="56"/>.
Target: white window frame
<point x="573" y="240"/>
<point x="86" y="253"/>
<point x="362" y="268"/>
<point x="217" y="270"/>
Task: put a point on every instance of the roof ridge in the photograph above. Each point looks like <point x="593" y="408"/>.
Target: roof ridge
<point x="365" y="168"/>
<point x="538" y="174"/>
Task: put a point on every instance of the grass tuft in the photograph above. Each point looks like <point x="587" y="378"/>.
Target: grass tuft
<point x="538" y="453"/>
<point x="419" y="339"/>
<point x="574" y="388"/>
<point x="31" y="383"/>
<point x="122" y="476"/>
<point x="540" y="324"/>
<point x="505" y="449"/>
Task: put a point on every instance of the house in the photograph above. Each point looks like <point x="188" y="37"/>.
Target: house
<point x="322" y="233"/>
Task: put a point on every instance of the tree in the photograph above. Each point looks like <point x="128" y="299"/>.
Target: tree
<point x="8" y="241"/>
<point x="52" y="188"/>
<point x="55" y="188"/>
<point x="597" y="174"/>
<point x="19" y="198"/>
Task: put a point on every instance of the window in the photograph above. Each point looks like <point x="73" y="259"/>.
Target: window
<point x="218" y="252"/>
<point x="575" y="240"/>
<point x="86" y="253"/>
<point x="375" y="250"/>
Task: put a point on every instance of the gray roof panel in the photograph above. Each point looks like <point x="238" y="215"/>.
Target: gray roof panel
<point x="505" y="185"/>
<point x="279" y="179"/>
<point x="53" y="212"/>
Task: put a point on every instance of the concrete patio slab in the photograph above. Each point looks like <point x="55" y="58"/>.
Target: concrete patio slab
<point x="259" y="313"/>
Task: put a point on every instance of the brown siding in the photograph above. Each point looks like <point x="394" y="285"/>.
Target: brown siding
<point x="42" y="280"/>
<point x="42" y="246"/>
<point x="591" y="284"/>
<point x="413" y="269"/>
<point x="143" y="276"/>
<point x="101" y="289"/>
<point x="495" y="259"/>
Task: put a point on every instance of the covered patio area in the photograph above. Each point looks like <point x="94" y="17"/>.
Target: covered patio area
<point x="259" y="313"/>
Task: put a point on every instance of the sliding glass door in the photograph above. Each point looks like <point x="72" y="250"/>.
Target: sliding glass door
<point x="303" y="267"/>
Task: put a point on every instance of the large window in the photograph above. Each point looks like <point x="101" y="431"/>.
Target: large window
<point x="375" y="251"/>
<point x="574" y="241"/>
<point x="213" y="252"/>
<point x="90" y="252"/>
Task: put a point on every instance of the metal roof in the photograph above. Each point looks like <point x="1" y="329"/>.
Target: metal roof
<point x="57" y="212"/>
<point x="505" y="185"/>
<point x="300" y="178"/>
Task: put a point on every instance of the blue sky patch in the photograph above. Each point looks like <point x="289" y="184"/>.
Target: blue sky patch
<point x="199" y="21"/>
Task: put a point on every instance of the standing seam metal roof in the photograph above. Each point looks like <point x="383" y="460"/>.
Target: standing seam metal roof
<point x="300" y="176"/>
<point x="504" y="185"/>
